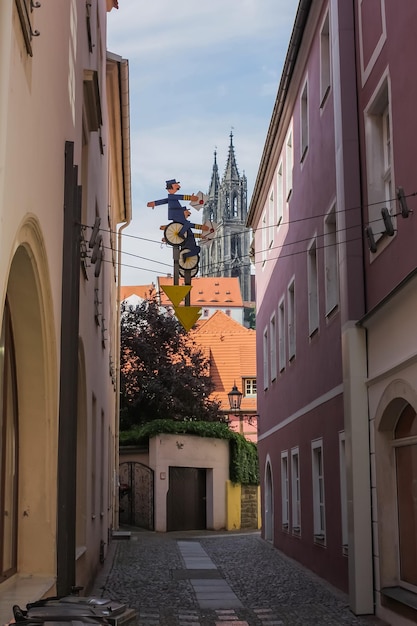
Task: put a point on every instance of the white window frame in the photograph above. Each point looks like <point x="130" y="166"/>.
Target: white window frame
<point x="319" y="507"/>
<point x="250" y="386"/>
<point x="379" y="160"/>
<point x="331" y="264"/>
<point x="295" y="492"/>
<point x="273" y="347"/>
<point x="313" y="287"/>
<point x="343" y="492"/>
<point x="325" y="60"/>
<point x="291" y="320"/>
<point x="280" y="193"/>
<point x="281" y="335"/>
<point x="304" y="122"/>
<point x="265" y="358"/>
<point x="264" y="238"/>
<point x="285" y="498"/>
<point x="271" y="218"/>
<point x="289" y="163"/>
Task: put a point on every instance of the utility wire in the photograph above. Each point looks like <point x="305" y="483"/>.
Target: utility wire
<point x="228" y="265"/>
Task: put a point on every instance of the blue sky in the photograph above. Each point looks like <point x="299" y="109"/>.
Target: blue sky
<point x="196" y="72"/>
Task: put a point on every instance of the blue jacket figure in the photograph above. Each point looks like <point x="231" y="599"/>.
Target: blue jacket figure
<point x="175" y="210"/>
<point x="189" y="242"/>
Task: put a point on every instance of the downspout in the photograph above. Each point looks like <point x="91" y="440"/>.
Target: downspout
<point x="125" y="126"/>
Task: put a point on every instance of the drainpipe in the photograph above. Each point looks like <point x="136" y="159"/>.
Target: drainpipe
<point x="123" y="67"/>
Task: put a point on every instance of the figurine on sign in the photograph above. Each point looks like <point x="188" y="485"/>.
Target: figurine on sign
<point x="175" y="210"/>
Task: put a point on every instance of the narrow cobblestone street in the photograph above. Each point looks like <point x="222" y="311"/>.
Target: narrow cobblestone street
<point x="213" y="579"/>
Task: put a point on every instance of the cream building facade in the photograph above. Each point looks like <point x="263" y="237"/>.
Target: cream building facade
<point x="64" y="168"/>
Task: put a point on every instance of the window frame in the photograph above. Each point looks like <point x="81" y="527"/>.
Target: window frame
<point x="318" y="490"/>
<point x="325" y="61"/>
<point x="295" y="492"/>
<point x="313" y="287"/>
<point x="304" y="122"/>
<point x="285" y="496"/>
<point x="331" y="265"/>
<point x="291" y="320"/>
<point x="273" y="347"/>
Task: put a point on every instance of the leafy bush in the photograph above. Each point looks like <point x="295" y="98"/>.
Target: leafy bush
<point x="244" y="465"/>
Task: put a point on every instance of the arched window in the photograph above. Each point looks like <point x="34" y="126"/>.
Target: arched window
<point x="8" y="449"/>
<point x="234" y="206"/>
<point x="406" y="464"/>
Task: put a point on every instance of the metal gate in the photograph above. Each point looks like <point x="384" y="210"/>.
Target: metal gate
<point x="136" y="495"/>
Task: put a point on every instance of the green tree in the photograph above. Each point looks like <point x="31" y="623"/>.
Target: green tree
<point x="163" y="373"/>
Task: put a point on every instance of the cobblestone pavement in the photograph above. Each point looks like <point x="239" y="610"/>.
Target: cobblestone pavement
<point x="151" y="573"/>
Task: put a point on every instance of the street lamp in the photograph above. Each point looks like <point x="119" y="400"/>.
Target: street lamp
<point x="235" y="399"/>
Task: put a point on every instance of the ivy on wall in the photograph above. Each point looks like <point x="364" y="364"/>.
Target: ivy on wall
<point x="244" y="465"/>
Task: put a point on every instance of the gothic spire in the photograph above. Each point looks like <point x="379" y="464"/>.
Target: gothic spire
<point x="215" y="180"/>
<point x="231" y="172"/>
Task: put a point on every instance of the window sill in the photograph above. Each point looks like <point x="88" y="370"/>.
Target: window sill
<point x="400" y="595"/>
<point x="22" y="589"/>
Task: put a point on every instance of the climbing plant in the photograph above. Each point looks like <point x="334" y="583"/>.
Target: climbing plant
<point x="244" y="465"/>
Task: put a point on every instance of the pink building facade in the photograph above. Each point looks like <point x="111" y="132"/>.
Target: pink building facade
<point x="334" y="282"/>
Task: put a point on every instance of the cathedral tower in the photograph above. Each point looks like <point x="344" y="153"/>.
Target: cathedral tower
<point x="228" y="254"/>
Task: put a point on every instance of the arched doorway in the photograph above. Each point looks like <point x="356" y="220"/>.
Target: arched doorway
<point x="28" y="316"/>
<point x="269" y="504"/>
<point x="396" y="480"/>
<point x="405" y="446"/>
<point x="8" y="449"/>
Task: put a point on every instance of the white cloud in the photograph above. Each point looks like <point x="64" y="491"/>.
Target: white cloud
<point x="196" y="71"/>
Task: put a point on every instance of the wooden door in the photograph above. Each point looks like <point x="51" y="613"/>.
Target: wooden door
<point x="186" y="499"/>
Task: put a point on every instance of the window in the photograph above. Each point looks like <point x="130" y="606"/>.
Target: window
<point x="331" y="267"/>
<point x="266" y="368"/>
<point x="281" y="336"/>
<point x="280" y="194"/>
<point x="289" y="158"/>
<point x="250" y="386"/>
<point x="343" y="492"/>
<point x="264" y="235"/>
<point x="295" y="491"/>
<point x="205" y="313"/>
<point x="273" y="347"/>
<point x="291" y="320"/>
<point x="9" y="446"/>
<point x="325" y="75"/>
<point x="271" y="220"/>
<point x="318" y="491"/>
<point x="228" y="312"/>
<point x="25" y="10"/>
<point x="313" y="288"/>
<point x="304" y="122"/>
<point x="235" y="212"/>
<point x="284" y="490"/>
<point x="379" y="158"/>
<point x="406" y="465"/>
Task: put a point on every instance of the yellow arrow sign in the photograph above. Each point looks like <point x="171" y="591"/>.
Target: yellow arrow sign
<point x="176" y="293"/>
<point x="187" y="315"/>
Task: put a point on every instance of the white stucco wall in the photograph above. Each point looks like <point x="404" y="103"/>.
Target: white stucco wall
<point x="167" y="451"/>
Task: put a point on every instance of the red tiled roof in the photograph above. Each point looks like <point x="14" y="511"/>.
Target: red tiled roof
<point x="208" y="291"/>
<point x="232" y="352"/>
<point x="141" y="291"/>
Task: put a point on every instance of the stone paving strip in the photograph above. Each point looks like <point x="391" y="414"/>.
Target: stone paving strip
<point x="210" y="593"/>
